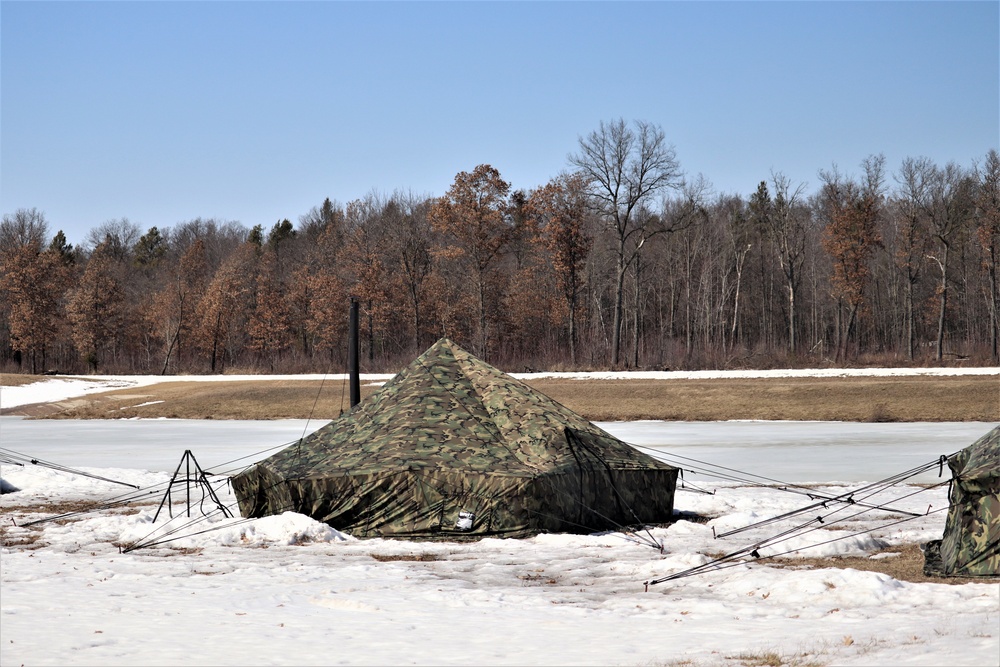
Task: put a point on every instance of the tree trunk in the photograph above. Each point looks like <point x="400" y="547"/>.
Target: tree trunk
<point x="688" y="334"/>
<point x="572" y="334"/>
<point x="838" y="328"/>
<point x="482" y="315"/>
<point x="170" y="349"/>
<point x="850" y="327"/>
<point x="215" y="340"/>
<point x="571" y="302"/>
<point x="994" y="307"/>
<point x="416" y="317"/>
<point x="636" y="315"/>
<point x="910" y="334"/>
<point x="371" y="336"/>
<point x="736" y="305"/>
<point x="791" y="314"/>
<point x="616" y="326"/>
<point x="943" y="265"/>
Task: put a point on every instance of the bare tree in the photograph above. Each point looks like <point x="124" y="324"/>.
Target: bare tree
<point x="23" y="227"/>
<point x="366" y="240"/>
<point x="988" y="232"/>
<point x="118" y="236"/>
<point x="740" y="240"/>
<point x="677" y="214"/>
<point x="220" y="238"/>
<point x="912" y="240"/>
<point x="948" y="208"/>
<point x="624" y="166"/>
<point x="783" y="222"/>
<point x="410" y="246"/>
<point x="320" y="218"/>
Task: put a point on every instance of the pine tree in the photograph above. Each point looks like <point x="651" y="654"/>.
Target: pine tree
<point x="65" y="250"/>
<point x="149" y="249"/>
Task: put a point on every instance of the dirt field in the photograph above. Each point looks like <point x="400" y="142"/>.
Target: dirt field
<point x="906" y="399"/>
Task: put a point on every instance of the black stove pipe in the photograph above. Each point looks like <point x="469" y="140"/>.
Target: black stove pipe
<point x="352" y="355"/>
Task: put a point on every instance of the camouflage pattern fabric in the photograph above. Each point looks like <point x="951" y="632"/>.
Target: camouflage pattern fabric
<point x="453" y="447"/>
<point x="970" y="546"/>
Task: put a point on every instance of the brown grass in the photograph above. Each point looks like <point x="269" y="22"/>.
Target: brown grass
<point x="263" y="399"/>
<point x="767" y="658"/>
<point x="26" y="541"/>
<point x="417" y="558"/>
<point x="18" y="380"/>
<point x="907" y="566"/>
<point x="905" y="399"/>
<point x="49" y="508"/>
<point x="12" y="516"/>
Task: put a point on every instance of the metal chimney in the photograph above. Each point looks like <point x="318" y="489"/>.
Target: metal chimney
<point x="352" y="354"/>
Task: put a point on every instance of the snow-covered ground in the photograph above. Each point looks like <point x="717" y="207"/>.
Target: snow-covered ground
<point x="288" y="590"/>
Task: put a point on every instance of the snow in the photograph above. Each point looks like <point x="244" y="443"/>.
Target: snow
<point x="290" y="590"/>
<point x="766" y="373"/>
<point x="62" y="388"/>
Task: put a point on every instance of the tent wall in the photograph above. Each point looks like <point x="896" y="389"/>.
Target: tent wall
<point x="970" y="546"/>
<point x="422" y="504"/>
<point x="971" y="543"/>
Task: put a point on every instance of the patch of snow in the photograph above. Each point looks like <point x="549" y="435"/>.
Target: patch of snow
<point x="140" y="405"/>
<point x="765" y="373"/>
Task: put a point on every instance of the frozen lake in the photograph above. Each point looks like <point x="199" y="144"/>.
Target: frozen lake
<point x="787" y="451"/>
<point x="289" y="590"/>
<point x="807" y="451"/>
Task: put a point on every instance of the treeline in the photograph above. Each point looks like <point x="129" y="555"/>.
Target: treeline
<point x="617" y="263"/>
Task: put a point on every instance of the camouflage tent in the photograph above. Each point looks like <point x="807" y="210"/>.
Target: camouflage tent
<point x="453" y="447"/>
<point x="971" y="543"/>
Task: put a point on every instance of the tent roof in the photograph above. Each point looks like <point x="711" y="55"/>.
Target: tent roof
<point x="448" y="409"/>
<point x="980" y="459"/>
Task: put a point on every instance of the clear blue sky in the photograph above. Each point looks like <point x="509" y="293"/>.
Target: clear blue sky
<point x="257" y="111"/>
